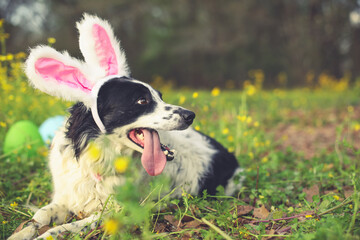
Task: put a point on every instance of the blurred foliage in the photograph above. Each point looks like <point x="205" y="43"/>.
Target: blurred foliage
<point x="207" y="43"/>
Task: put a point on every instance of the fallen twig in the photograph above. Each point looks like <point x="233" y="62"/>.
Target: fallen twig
<point x="218" y="230"/>
<point x="280" y="219"/>
<point x="336" y="207"/>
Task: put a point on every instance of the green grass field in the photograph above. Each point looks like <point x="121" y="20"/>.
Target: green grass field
<point x="300" y="150"/>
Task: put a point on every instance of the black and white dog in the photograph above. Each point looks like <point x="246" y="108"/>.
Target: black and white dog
<point x="119" y="115"/>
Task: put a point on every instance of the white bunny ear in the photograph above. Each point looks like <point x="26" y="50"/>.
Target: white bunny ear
<point x="100" y="48"/>
<point x="59" y="75"/>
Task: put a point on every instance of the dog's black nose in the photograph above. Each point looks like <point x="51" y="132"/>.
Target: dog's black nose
<point x="188" y="116"/>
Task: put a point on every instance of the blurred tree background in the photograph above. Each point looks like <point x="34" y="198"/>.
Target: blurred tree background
<point x="203" y="44"/>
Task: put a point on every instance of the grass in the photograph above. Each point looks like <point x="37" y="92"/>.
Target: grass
<point x="301" y="181"/>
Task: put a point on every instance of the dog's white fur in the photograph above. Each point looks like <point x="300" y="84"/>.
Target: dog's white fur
<point x="76" y="187"/>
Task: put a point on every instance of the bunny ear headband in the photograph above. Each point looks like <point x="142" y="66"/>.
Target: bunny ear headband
<point x="61" y="75"/>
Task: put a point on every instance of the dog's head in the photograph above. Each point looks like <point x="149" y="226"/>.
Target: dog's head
<point x="120" y="105"/>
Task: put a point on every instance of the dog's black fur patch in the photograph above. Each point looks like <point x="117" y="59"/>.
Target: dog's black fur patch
<point x="223" y="166"/>
<point x="81" y="127"/>
<point x="117" y="103"/>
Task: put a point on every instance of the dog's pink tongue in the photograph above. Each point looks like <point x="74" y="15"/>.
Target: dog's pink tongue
<point x="152" y="159"/>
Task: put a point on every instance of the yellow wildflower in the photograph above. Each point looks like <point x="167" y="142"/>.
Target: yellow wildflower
<point x="14" y="204"/>
<point x="3" y="124"/>
<point x="264" y="159"/>
<point x="195" y="95"/>
<point x="20" y="55"/>
<point x="249" y="120"/>
<point x="330" y="175"/>
<point x="4" y="222"/>
<point x="206" y="108"/>
<point x="212" y="134"/>
<point x="215" y="92"/>
<point x="49" y="238"/>
<point x="9" y="57"/>
<point x="182" y="99"/>
<point x="94" y="151"/>
<point x="121" y="164"/>
<point x="111" y="226"/>
<point x="351" y="206"/>
<point x="241" y="118"/>
<point x="230" y="138"/>
<point x="357" y="127"/>
<point x="225" y="131"/>
<point x="51" y="40"/>
<point x="1" y="22"/>
<point x="197" y="128"/>
<point x="251" y="155"/>
<point x="231" y="149"/>
<point x="261" y="197"/>
<point x="308" y="216"/>
<point x="250" y="90"/>
<point x="336" y="197"/>
<point x="256" y="124"/>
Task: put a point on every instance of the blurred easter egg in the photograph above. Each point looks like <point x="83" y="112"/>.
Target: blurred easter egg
<point x="23" y="136"/>
<point x="49" y="127"/>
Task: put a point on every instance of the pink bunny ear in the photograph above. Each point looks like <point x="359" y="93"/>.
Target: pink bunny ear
<point x="59" y="75"/>
<point x="100" y="48"/>
<point x="104" y="50"/>
<point x="52" y="69"/>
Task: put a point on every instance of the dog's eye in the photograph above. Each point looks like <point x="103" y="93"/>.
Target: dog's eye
<point x="142" y="101"/>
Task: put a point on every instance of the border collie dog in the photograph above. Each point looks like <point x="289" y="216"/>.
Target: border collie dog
<point x="121" y="116"/>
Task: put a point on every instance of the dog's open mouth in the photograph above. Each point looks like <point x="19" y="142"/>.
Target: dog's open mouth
<point x="155" y="154"/>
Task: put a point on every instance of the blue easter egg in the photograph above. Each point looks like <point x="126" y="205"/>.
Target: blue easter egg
<point x="49" y="127"/>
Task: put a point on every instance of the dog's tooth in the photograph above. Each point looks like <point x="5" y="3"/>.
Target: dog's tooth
<point x="166" y="152"/>
<point x="140" y="136"/>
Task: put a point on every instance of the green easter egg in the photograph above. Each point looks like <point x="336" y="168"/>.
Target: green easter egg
<point x="24" y="137"/>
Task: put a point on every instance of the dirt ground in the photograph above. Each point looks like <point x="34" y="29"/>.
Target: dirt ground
<point x="319" y="132"/>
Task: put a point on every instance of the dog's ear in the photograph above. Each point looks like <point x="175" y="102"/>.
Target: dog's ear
<point x="59" y="75"/>
<point x="100" y="48"/>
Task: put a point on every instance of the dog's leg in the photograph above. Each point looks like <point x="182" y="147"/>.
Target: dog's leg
<point x="74" y="227"/>
<point x="27" y="233"/>
<point x="52" y="213"/>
